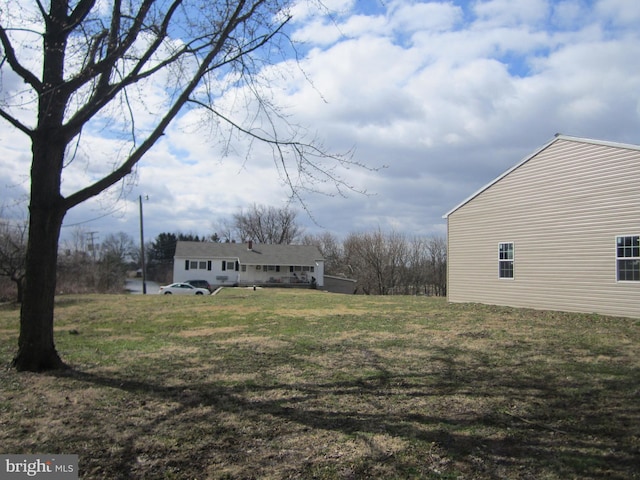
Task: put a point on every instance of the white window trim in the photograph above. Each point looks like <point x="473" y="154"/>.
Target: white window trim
<point x="615" y="242"/>
<point x="513" y="260"/>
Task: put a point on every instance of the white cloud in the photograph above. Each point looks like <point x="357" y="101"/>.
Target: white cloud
<point x="409" y="17"/>
<point x="622" y="12"/>
<point x="303" y="10"/>
<point x="569" y="13"/>
<point x="497" y="13"/>
<point x="447" y="94"/>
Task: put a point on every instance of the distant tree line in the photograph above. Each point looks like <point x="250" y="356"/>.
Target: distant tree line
<point x="382" y="263"/>
<point x="87" y="265"/>
<point x="386" y="263"/>
<point x="84" y="265"/>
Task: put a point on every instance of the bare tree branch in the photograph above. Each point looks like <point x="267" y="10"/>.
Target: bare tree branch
<point x="127" y="166"/>
<point x="15" y="122"/>
<point x="82" y="10"/>
<point x="16" y="66"/>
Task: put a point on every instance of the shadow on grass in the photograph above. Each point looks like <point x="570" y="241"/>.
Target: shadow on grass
<point x="464" y="418"/>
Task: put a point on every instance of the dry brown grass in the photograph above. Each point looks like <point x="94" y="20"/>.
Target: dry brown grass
<point x="291" y="384"/>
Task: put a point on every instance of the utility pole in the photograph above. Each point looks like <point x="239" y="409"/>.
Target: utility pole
<point x="92" y="245"/>
<point x="144" y="273"/>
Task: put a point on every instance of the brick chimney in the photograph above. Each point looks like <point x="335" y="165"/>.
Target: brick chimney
<point x="250" y="245"/>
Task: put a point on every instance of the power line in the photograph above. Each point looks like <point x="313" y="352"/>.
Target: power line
<point x="96" y="218"/>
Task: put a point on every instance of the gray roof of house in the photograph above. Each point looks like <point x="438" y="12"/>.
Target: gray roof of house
<point x="260" y="254"/>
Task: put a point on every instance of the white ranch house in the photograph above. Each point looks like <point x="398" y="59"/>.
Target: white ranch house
<point x="230" y="264"/>
<point x="558" y="231"/>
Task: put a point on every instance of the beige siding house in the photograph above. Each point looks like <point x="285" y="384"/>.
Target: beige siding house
<point x="559" y="231"/>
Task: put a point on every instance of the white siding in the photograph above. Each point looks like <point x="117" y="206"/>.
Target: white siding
<point x="215" y="276"/>
<point x="562" y="209"/>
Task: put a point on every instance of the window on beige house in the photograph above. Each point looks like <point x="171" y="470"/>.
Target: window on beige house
<point x="505" y="262"/>
<point x="628" y="258"/>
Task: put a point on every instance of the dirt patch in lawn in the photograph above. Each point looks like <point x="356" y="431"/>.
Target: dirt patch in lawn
<point x="210" y="331"/>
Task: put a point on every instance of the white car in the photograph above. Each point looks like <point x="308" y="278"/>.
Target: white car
<point x="183" y="289"/>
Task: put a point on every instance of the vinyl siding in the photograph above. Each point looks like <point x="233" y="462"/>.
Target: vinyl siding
<point x="284" y="256"/>
<point x="562" y="209"/>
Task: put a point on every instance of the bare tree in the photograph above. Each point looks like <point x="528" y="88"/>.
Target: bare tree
<point x="13" y="247"/>
<point x="76" y="243"/>
<point x="76" y="268"/>
<point x="115" y="251"/>
<point x="417" y="276"/>
<point x="438" y="264"/>
<point x="265" y="224"/>
<point x="226" y="229"/>
<point x="386" y="263"/>
<point x="117" y="246"/>
<point x="332" y="252"/>
<point x="377" y="260"/>
<point x="355" y="260"/>
<point x="84" y="65"/>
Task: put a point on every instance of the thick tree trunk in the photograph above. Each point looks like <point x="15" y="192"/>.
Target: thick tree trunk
<point x="47" y="208"/>
<point x="36" y="349"/>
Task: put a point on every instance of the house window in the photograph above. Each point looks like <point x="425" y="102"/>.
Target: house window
<point x="228" y="265"/>
<point x="505" y="262"/>
<point x="628" y="258"/>
<point x="197" y="265"/>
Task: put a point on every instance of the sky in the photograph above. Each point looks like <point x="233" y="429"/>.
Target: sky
<point x="432" y="100"/>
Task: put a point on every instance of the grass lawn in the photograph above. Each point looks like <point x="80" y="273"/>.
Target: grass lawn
<point x="274" y="384"/>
